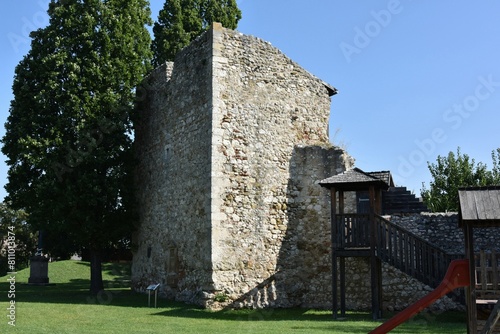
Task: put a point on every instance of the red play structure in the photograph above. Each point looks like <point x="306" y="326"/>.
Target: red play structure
<point x="479" y="208"/>
<point x="457" y="276"/>
<point x="367" y="233"/>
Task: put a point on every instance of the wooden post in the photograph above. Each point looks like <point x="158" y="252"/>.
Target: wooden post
<point x="378" y="211"/>
<point x="341" y="202"/>
<point x="342" y="287"/>
<point x="379" y="287"/>
<point x="471" y="290"/>
<point x="373" y="259"/>
<point x="342" y="259"/>
<point x="378" y="201"/>
<point x="490" y="324"/>
<point x="333" y="209"/>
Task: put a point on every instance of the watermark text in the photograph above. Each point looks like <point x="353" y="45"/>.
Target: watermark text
<point x="11" y="261"/>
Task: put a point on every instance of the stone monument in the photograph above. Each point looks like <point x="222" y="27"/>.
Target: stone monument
<point x="39" y="265"/>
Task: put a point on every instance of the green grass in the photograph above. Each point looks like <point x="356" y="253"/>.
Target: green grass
<point x="66" y="307"/>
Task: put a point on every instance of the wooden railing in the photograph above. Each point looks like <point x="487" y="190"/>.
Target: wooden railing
<point x="487" y="275"/>
<point x="352" y="231"/>
<point x="410" y="253"/>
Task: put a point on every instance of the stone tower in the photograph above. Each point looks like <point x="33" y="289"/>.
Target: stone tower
<point x="232" y="140"/>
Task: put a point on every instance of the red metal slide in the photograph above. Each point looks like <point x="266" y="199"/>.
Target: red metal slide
<point x="457" y="276"/>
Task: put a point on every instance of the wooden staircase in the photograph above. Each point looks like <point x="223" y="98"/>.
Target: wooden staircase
<point x="365" y="235"/>
<point x="400" y="199"/>
<point x="410" y="253"/>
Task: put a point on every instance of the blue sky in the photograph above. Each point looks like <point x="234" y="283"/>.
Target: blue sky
<point x="416" y="79"/>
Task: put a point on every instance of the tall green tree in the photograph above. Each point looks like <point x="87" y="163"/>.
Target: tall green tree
<point x="68" y="136"/>
<point x="452" y="172"/>
<point x="181" y="21"/>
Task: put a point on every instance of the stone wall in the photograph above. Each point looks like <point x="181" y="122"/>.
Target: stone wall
<point x="398" y="289"/>
<point x="232" y="142"/>
<point x="173" y="141"/>
<point x="442" y="230"/>
<point x="273" y="216"/>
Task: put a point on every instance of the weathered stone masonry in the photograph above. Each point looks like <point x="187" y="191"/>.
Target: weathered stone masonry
<point x="232" y="140"/>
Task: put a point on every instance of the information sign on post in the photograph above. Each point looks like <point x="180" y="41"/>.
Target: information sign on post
<point x="152" y="287"/>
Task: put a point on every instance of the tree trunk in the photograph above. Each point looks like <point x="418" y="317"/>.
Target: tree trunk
<point x="96" y="284"/>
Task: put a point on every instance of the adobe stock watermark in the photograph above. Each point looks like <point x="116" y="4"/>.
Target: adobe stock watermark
<point x="453" y="118"/>
<point x="11" y="262"/>
<point x="363" y="36"/>
<point x="39" y="20"/>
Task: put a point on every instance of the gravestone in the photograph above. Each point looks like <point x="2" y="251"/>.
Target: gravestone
<point x="39" y="269"/>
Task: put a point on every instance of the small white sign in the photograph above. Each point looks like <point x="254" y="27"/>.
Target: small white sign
<point x="153" y="287"/>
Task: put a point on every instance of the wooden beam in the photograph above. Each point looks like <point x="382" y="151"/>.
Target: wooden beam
<point x="471" y="290"/>
<point x="378" y="201"/>
<point x="342" y="287"/>
<point x="490" y="324"/>
<point x="380" y="296"/>
<point x="361" y="252"/>
<point x="374" y="271"/>
<point x="333" y="232"/>
<point x="341" y="202"/>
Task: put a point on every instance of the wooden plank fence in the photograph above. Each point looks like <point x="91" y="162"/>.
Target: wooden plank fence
<point x="353" y="231"/>
<point x="412" y="254"/>
<point x="487" y="275"/>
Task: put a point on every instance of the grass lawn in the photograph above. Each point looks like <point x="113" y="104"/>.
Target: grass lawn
<point x="66" y="307"/>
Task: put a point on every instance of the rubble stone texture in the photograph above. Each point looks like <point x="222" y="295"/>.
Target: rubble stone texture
<point x="231" y="141"/>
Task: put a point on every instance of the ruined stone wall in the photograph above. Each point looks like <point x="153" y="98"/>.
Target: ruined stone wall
<point x="232" y="142"/>
<point x="271" y="149"/>
<point x="306" y="251"/>
<point x="173" y="141"/>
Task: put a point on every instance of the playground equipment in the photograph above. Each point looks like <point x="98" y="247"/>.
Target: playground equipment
<point x="457" y="276"/>
<point x="479" y="208"/>
<point x="368" y="234"/>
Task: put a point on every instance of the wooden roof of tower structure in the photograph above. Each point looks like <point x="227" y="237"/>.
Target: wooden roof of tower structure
<point x="353" y="179"/>
<point x="480" y="206"/>
<point x="384" y="175"/>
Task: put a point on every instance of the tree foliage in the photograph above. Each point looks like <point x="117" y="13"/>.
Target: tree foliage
<point x="495" y="171"/>
<point x="15" y="222"/>
<point x="452" y="172"/>
<point x="68" y="136"/>
<point x="181" y="21"/>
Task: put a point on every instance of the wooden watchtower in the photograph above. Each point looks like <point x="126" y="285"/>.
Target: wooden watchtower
<point x="479" y="208"/>
<point x="354" y="234"/>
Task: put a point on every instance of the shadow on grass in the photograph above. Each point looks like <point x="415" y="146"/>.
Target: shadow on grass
<point x="302" y="319"/>
<point x="186" y="311"/>
<point x="356" y="322"/>
<point x="76" y="292"/>
<point x="116" y="279"/>
<point x="119" y="271"/>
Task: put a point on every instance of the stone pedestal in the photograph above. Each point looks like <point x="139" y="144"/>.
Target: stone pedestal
<point x="39" y="268"/>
